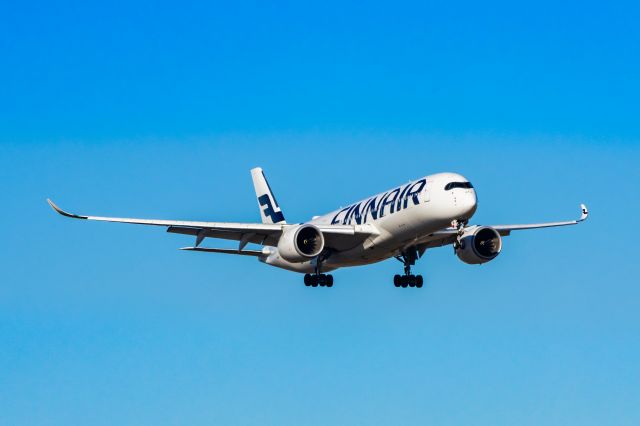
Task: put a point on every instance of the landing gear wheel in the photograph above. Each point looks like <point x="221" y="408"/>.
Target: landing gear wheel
<point x="322" y="280"/>
<point x="315" y="280"/>
<point x="397" y="280"/>
<point x="412" y="280"/>
<point x="329" y="280"/>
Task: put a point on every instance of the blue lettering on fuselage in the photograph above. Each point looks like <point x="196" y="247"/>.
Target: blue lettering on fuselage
<point x="370" y="207"/>
<point x="389" y="199"/>
<point x="399" y="206"/>
<point x="397" y="199"/>
<point x="414" y="192"/>
<point x="335" y="218"/>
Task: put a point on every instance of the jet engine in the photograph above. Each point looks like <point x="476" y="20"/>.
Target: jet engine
<point x="300" y="243"/>
<point x="478" y="245"/>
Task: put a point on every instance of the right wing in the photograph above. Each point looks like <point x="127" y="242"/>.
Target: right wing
<point x="256" y="253"/>
<point x="258" y="233"/>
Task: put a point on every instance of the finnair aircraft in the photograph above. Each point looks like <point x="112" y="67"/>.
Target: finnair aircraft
<point x="402" y="222"/>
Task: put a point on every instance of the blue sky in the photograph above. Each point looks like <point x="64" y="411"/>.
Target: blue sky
<point x="154" y="110"/>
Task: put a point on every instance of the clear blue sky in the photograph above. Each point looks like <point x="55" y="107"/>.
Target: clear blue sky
<point x="159" y="110"/>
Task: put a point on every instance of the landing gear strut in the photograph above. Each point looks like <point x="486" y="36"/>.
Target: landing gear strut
<point x="408" y="258"/>
<point x="318" y="279"/>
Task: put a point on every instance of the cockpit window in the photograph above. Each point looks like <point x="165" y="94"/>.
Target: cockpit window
<point x="452" y="185"/>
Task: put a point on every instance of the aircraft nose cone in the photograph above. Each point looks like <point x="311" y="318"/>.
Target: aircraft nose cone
<point x="468" y="204"/>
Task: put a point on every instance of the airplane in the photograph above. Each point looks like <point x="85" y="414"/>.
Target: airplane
<point x="403" y="223"/>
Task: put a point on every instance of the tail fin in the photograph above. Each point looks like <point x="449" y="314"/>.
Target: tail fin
<point x="269" y="208"/>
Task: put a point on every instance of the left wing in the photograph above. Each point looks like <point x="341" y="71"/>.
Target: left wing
<point x="449" y="235"/>
<point x="505" y="230"/>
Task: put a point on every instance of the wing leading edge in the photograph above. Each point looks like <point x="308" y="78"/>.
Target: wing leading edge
<point x="506" y="229"/>
<point x="258" y="233"/>
<point x="448" y="235"/>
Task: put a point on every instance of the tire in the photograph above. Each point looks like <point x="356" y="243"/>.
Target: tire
<point x="419" y="281"/>
<point x="412" y="280"/>
<point x="307" y="279"/>
<point x="329" y="280"/>
<point x="397" y="280"/>
<point x="322" y="280"/>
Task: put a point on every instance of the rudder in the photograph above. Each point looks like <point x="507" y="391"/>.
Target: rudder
<point x="269" y="209"/>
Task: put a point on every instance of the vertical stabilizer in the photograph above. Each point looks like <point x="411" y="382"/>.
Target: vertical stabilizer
<point x="269" y="208"/>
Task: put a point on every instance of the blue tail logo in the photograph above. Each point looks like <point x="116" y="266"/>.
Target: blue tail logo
<point x="275" y="216"/>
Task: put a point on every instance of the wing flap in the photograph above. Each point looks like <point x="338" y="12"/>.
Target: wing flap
<point x="256" y="237"/>
<point x="256" y="253"/>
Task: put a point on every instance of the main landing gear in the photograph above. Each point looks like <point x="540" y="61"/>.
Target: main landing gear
<point x="318" y="279"/>
<point x="315" y="280"/>
<point x="408" y="279"/>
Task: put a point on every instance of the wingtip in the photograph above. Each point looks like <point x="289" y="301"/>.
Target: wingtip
<point x="585" y="213"/>
<point x="54" y="207"/>
<point x="62" y="212"/>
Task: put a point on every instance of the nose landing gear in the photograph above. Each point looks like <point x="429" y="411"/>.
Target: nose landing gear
<point x="408" y="258"/>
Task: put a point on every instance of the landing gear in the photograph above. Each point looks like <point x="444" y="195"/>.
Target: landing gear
<point x="408" y="279"/>
<point x="318" y="279"/>
<point x="459" y="225"/>
<point x="315" y="280"/>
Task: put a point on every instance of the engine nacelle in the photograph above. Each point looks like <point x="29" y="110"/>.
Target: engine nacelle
<point x="479" y="245"/>
<point x="300" y="243"/>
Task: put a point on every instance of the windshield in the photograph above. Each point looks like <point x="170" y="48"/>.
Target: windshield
<point x="452" y="185"/>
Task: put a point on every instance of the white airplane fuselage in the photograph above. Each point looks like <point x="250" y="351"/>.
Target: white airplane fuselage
<point x="400" y="217"/>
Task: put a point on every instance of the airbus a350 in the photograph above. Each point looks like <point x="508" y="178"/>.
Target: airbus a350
<point x="403" y="223"/>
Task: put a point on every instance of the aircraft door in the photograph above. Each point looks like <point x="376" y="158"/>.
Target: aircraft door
<point x="426" y="192"/>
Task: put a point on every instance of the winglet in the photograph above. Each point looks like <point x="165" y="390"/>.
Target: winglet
<point x="585" y="213"/>
<point x="63" y="213"/>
